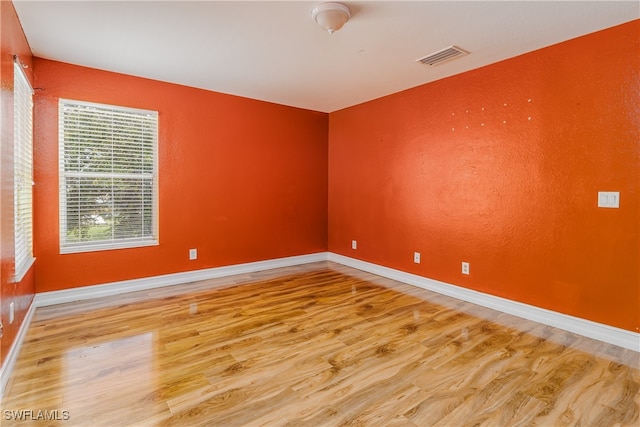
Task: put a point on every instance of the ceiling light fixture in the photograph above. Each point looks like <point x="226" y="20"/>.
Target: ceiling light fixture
<point x="331" y="16"/>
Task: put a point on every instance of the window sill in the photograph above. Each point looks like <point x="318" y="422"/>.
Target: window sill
<point x="23" y="270"/>
<point x="95" y="247"/>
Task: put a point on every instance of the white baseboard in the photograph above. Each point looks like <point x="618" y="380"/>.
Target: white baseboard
<point x="9" y="362"/>
<point x="587" y="328"/>
<point x="115" y="288"/>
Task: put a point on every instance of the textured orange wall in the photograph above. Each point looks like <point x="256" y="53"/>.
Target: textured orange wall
<point x="12" y="42"/>
<point x="500" y="167"/>
<point x="240" y="180"/>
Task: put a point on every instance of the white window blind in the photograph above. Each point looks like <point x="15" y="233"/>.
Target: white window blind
<point x="23" y="171"/>
<point x="108" y="177"/>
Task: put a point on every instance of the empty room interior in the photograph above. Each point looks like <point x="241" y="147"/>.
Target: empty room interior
<point x="295" y="213"/>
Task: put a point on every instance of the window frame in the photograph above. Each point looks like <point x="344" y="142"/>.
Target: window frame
<point x="111" y="244"/>
<point x="22" y="171"/>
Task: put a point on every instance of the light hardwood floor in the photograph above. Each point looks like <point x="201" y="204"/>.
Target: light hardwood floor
<point x="315" y="345"/>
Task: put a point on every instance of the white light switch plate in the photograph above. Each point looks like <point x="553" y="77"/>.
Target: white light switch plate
<point x="608" y="199"/>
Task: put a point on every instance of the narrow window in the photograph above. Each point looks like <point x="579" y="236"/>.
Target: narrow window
<point x="23" y="171"/>
<point x="108" y="177"/>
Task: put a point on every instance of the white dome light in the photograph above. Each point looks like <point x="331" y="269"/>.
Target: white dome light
<point x="331" y="16"/>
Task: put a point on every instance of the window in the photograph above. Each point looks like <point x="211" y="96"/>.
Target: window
<point x="108" y="177"/>
<point x="23" y="171"/>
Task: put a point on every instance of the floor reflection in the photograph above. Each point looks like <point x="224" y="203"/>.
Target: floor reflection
<point x="104" y="370"/>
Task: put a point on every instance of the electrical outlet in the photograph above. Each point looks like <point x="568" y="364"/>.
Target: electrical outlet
<point x="354" y="244"/>
<point x="416" y="257"/>
<point x="465" y="267"/>
<point x="12" y="313"/>
<point x="193" y="254"/>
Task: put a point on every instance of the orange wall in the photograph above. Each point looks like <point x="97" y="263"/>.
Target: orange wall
<point x="500" y="167"/>
<point x="12" y="42"/>
<point x="240" y="180"/>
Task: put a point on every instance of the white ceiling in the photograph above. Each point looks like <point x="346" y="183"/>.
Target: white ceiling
<point x="274" y="51"/>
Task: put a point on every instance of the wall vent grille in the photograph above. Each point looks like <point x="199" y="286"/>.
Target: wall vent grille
<point x="444" y="55"/>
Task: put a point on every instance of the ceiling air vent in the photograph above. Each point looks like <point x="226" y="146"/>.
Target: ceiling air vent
<point x="444" y="55"/>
